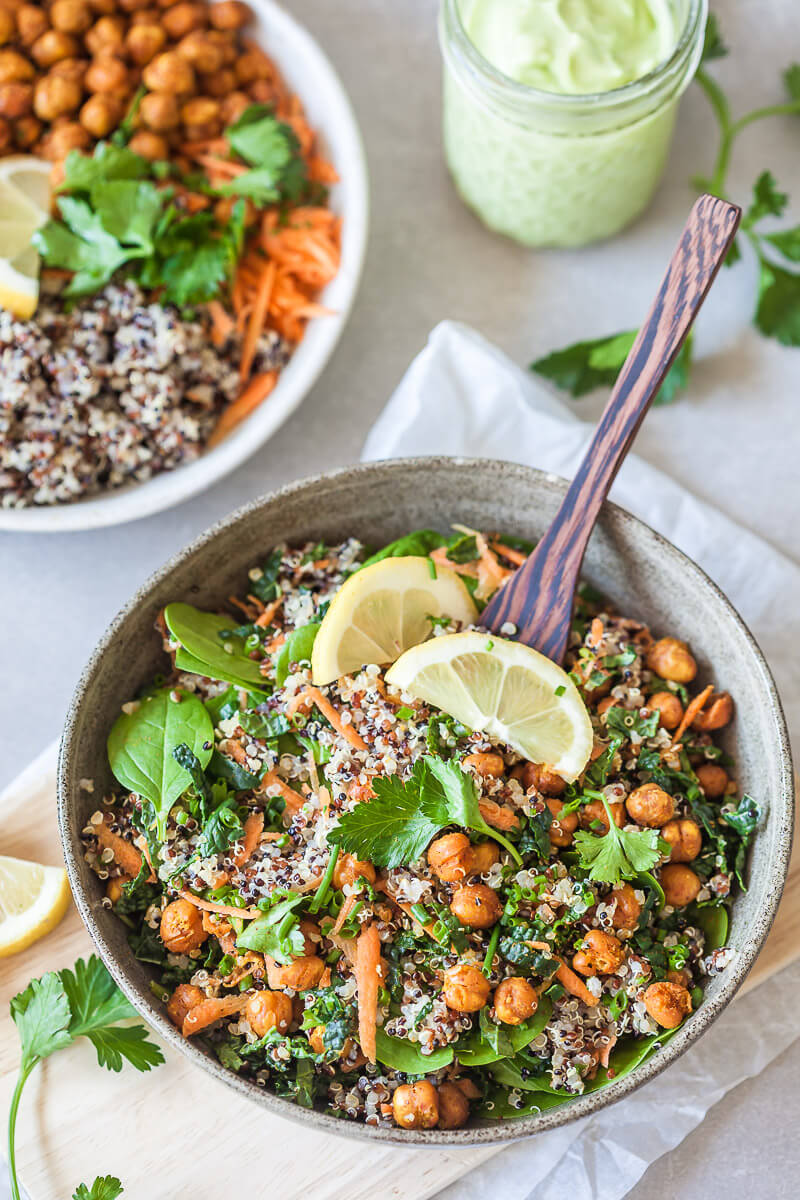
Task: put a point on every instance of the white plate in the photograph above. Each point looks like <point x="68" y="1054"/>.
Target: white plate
<point x="310" y="75"/>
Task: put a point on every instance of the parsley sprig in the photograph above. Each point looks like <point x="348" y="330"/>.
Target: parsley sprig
<point x="55" y="1010"/>
<point x="397" y="826"/>
<point x="586" y="365"/>
<point x="619" y="853"/>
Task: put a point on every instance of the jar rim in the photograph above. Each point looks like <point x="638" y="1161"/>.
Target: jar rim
<point x="524" y="96"/>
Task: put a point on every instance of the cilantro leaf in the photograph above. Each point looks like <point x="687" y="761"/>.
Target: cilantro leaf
<point x="82" y="173"/>
<point x="105" y="1187"/>
<point x="81" y="245"/>
<point x="618" y="853"/>
<point x="745" y="818"/>
<point x="258" y="185"/>
<point x="270" y="146"/>
<point x="450" y="793"/>
<point x="713" y="45"/>
<point x="42" y="1016"/>
<point x="778" y="311"/>
<point x="584" y="366"/>
<point x="787" y="242"/>
<point x="625" y="722"/>
<point x="767" y="200"/>
<point x="791" y="79"/>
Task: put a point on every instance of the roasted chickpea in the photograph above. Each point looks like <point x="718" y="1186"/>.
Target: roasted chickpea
<point x="484" y="857"/>
<point x="534" y="775"/>
<point x="54" y="96"/>
<point x="267" y="1010"/>
<point x="680" y="883"/>
<point x="114" y="887"/>
<point x="670" y="658"/>
<point x="130" y="6"/>
<point x="146" y="16"/>
<point x="299" y="975"/>
<point x="416" y="1105"/>
<point x="103" y="7"/>
<point x="593" y="816"/>
<point x="453" y="1106"/>
<point x="106" y="36"/>
<point x="476" y="905"/>
<point x="32" y="22"/>
<point x="8" y="26"/>
<point x="201" y="110"/>
<point x="450" y="857"/>
<point x="230" y="14"/>
<point x="106" y="74"/>
<point x="600" y="954"/>
<point x="100" y="114"/>
<point x="183" y="18"/>
<point x="182" y="927"/>
<point x="716" y="714"/>
<point x="311" y="935"/>
<point x="669" y="707"/>
<point x="70" y="16"/>
<point x="218" y="84"/>
<point x="713" y="779"/>
<point x="667" y="1003"/>
<point x="71" y="68"/>
<point x="627" y="908"/>
<point x="6" y="135"/>
<point x="679" y="975"/>
<point x="144" y="42"/>
<point x="232" y="106"/>
<point x="160" y="111"/>
<point x="488" y="766"/>
<point x="685" y="839"/>
<point x="348" y="869"/>
<point x="53" y="48"/>
<point x="198" y="49"/>
<point x="60" y="140"/>
<point x="228" y="45"/>
<point x="252" y="65"/>
<point x="169" y="72"/>
<point x="561" y="828"/>
<point x="515" y="1000"/>
<point x="650" y="805"/>
<point x="27" y="130"/>
<point x="465" y="988"/>
<point x="15" y="68"/>
<point x="16" y="100"/>
<point x="185" y="997"/>
<point x="605" y="704"/>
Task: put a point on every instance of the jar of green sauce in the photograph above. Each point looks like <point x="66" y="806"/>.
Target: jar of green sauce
<point x="558" y="114"/>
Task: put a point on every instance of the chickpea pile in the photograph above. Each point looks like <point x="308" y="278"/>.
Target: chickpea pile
<point x="69" y="71"/>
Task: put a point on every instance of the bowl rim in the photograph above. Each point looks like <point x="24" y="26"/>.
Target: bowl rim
<point x="135" y="501"/>
<point x="502" y="1132"/>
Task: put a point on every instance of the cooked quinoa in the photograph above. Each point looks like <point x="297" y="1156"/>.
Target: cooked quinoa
<point x="505" y="987"/>
<point x="111" y="392"/>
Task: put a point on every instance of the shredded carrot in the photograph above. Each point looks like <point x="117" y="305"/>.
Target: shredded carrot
<point x="344" y="912"/>
<point x="692" y="709"/>
<point x="299" y="702"/>
<point x="208" y="1011"/>
<point x="294" y="801"/>
<point x="346" y="945"/>
<point x="258" y="318"/>
<point x="498" y="815"/>
<point x="575" y="985"/>
<point x="225" y="910"/>
<point x="368" y="979"/>
<point x="220" y="166"/>
<point x="439" y="556"/>
<point x="270" y="612"/>
<point x="256" y="391"/>
<point x="595" y="632"/>
<point x="605" y="1053"/>
<point x="324" y="705"/>
<point x="514" y="556"/>
<point x="125" y="854"/>
<point x="253" y="828"/>
<point x="491" y="575"/>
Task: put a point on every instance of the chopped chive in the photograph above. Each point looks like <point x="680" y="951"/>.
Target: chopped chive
<point x="325" y="882"/>
<point x="432" y="568"/>
<point x="493" y="940"/>
<point x="560" y="689"/>
<point x="421" y="914"/>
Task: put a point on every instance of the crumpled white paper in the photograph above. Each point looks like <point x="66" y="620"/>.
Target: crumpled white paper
<point x="461" y="395"/>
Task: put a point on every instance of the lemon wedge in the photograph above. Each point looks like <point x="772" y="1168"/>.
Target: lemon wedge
<point x="19" y="283"/>
<point x="24" y="208"/>
<point x="382" y="610"/>
<point x="505" y="689"/>
<point x="29" y="177"/>
<point x="33" y="899"/>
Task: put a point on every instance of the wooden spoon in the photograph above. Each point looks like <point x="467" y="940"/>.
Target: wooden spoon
<point x="538" y="598"/>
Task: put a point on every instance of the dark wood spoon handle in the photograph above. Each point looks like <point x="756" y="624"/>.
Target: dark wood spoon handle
<point x="538" y="599"/>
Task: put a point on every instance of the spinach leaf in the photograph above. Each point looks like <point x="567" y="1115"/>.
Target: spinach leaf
<point x="266" y="586"/>
<point x="266" y="726"/>
<point x="746" y="817"/>
<point x="625" y="722"/>
<point x="407" y="1057"/>
<point x="232" y="773"/>
<point x="419" y="544"/>
<point x="297" y="648"/>
<point x="476" y="1049"/>
<point x="199" y="634"/>
<point x="224" y="706"/>
<point x="713" y="920"/>
<point x="141" y="743"/>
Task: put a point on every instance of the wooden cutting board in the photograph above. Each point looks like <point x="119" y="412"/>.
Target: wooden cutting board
<point x="177" y="1132"/>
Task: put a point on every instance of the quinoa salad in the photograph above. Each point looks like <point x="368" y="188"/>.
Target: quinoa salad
<point x="360" y="903"/>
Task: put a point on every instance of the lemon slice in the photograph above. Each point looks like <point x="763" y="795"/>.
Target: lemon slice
<point x="30" y="177"/>
<point x="19" y="283"/>
<point x="505" y="689"/>
<point x="382" y="610"/>
<point x="33" y="899"/>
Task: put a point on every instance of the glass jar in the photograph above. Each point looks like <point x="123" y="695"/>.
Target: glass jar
<point x="554" y="169"/>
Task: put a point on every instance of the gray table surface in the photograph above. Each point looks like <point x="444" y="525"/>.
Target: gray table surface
<point x="734" y="441"/>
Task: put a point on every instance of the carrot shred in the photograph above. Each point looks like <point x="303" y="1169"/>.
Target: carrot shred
<point x="294" y="802"/>
<point x="595" y="632"/>
<point x="125" y="854"/>
<point x="253" y="828"/>
<point x="220" y="166"/>
<point x="208" y="1011"/>
<point x="575" y="985"/>
<point x="324" y="705"/>
<point x="224" y="910"/>
<point x="514" y="556"/>
<point x="368" y="978"/>
<point x="255" y="325"/>
<point x="222" y="325"/>
<point x="268" y="615"/>
<point x="605" y="1053"/>
<point x="692" y="709"/>
<point x="344" y="912"/>
<point x="256" y="391"/>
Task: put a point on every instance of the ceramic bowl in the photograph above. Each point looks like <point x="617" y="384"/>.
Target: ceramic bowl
<point x="640" y="572"/>
<point x="309" y="75"/>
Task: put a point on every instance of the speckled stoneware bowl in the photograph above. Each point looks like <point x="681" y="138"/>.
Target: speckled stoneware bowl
<point x="637" y="569"/>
